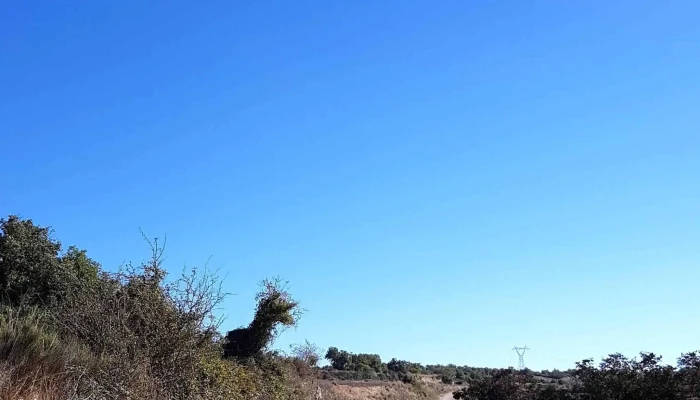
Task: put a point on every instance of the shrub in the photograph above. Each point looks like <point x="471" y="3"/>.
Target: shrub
<point x="407" y="377"/>
<point x="151" y="334"/>
<point x="305" y="358"/>
<point x="224" y="379"/>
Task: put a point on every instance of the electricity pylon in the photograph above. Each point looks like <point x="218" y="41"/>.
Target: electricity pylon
<point x="521" y="356"/>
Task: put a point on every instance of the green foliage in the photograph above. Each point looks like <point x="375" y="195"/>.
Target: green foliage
<point x="401" y="366"/>
<point x="368" y="362"/>
<point x="80" y="265"/>
<point x="32" y="268"/>
<point x="454" y="372"/>
<point x="505" y="384"/>
<point x="620" y="377"/>
<point x="224" y="379"/>
<point x="365" y="366"/>
<point x="339" y="359"/>
<point x="369" y="366"/>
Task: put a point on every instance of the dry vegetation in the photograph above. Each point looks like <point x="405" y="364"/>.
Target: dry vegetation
<point x="378" y="390"/>
<point x="71" y="330"/>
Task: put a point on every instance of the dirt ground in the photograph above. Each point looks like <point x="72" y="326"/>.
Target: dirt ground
<point x="428" y="389"/>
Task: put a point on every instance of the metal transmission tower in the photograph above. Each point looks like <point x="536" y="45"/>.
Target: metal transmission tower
<point x="521" y="354"/>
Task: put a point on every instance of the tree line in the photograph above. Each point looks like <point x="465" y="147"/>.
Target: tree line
<point x="615" y="377"/>
<point x="346" y="365"/>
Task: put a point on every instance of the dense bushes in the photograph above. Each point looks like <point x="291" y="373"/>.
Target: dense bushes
<point x="70" y="330"/>
<point x="151" y="333"/>
<point x="359" y="366"/>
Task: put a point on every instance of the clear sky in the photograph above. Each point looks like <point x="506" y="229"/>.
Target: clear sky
<point x="439" y="180"/>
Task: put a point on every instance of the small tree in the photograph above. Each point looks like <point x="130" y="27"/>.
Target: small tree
<point x="307" y="352"/>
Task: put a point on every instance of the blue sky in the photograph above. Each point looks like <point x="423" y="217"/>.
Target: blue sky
<point x="439" y="181"/>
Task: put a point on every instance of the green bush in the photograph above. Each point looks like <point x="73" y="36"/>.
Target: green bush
<point x="224" y="379"/>
<point x="33" y="270"/>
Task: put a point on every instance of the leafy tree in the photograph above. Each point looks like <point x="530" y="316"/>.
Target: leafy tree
<point x="395" y="365"/>
<point x="77" y="261"/>
<point x="368" y="365"/>
<point x="371" y="361"/>
<point x="32" y="268"/>
<point x="339" y="359"/>
<point x="689" y="373"/>
<point x="618" y="377"/>
<point x="506" y="384"/>
<point x="402" y="366"/>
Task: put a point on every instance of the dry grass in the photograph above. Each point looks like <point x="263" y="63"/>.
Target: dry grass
<point x="34" y="364"/>
<point x="376" y="390"/>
